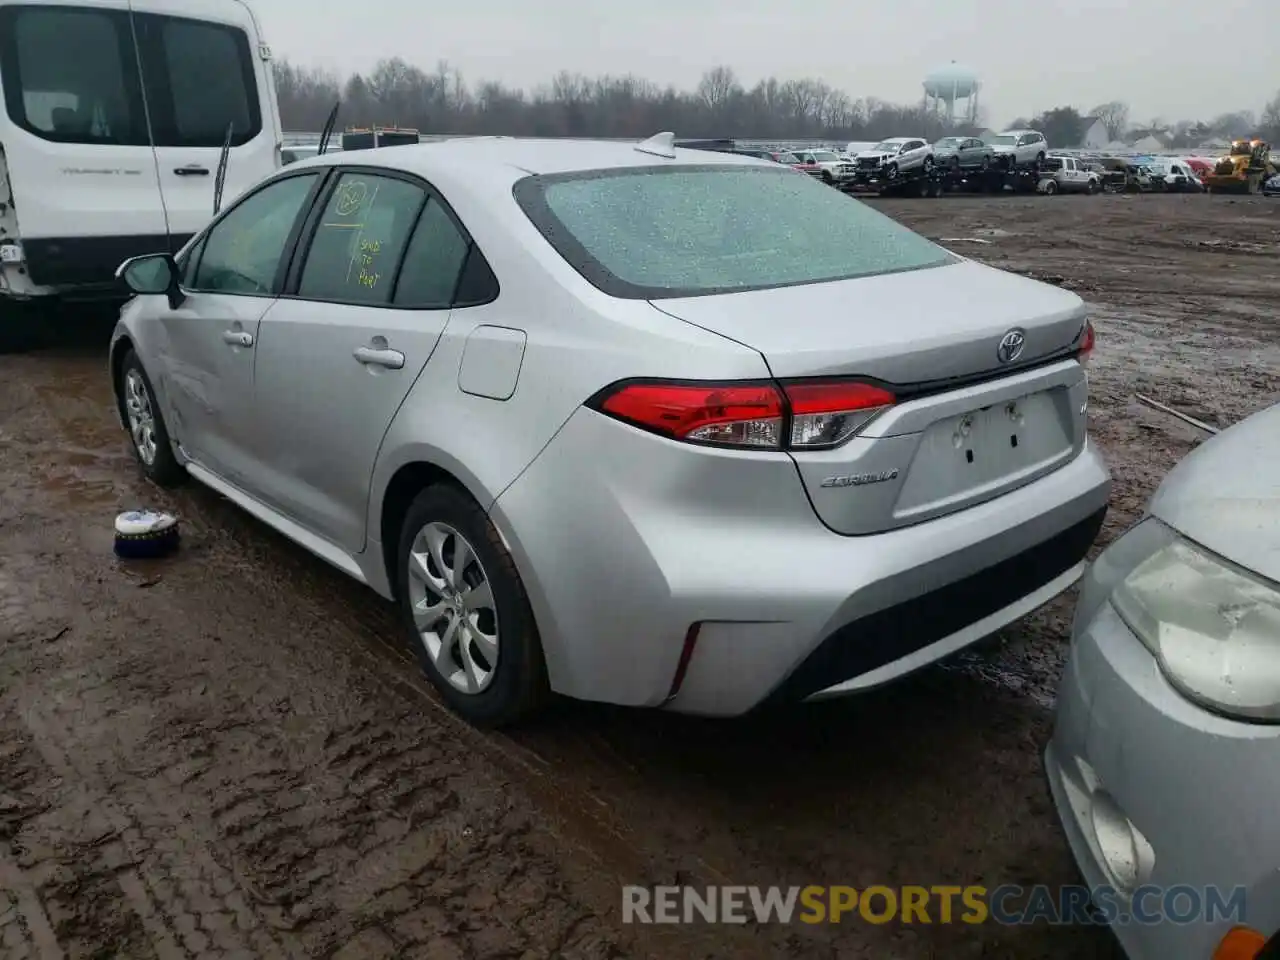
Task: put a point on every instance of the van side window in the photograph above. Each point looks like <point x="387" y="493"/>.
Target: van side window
<point x="433" y="261"/>
<point x="359" y="240"/>
<point x="199" y="78"/>
<point x="242" y="251"/>
<point x="70" y="74"/>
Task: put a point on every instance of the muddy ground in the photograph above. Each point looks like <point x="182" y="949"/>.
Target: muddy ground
<point x="229" y="753"/>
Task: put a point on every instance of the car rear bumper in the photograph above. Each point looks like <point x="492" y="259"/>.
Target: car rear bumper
<point x="1128" y="749"/>
<point x="626" y="541"/>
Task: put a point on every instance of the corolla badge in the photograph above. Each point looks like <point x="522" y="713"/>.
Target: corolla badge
<point x="1011" y="345"/>
<point x="860" y="479"/>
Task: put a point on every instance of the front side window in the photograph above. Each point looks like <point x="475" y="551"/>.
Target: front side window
<point x="243" y="250"/>
<point x="648" y="233"/>
<point x="70" y="75"/>
<point x="199" y="80"/>
<point x="360" y="238"/>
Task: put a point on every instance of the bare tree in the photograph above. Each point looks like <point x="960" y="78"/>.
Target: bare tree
<point x="441" y="101"/>
<point x="1114" y="116"/>
<point x="1270" y="120"/>
<point x="718" y="87"/>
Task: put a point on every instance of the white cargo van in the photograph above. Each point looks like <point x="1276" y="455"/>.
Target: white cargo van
<point x="115" y="114"/>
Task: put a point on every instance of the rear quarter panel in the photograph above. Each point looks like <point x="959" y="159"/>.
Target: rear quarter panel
<point x="578" y="341"/>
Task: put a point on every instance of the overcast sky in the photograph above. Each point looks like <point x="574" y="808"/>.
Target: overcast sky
<point x="1171" y="59"/>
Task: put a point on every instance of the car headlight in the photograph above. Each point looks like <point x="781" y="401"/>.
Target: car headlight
<point x="1213" y="627"/>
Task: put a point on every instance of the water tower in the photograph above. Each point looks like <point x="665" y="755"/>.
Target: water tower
<point x="947" y="85"/>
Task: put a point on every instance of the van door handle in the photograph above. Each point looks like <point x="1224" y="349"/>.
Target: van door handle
<point x="237" y="338"/>
<point x="193" y="170"/>
<point x="391" y="359"/>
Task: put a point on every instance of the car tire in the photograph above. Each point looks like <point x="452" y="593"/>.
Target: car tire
<point x="955" y="165"/>
<point x="1093" y="187"/>
<point x="148" y="435"/>
<point x="1050" y="188"/>
<point x="828" y="179"/>
<point x="494" y="674"/>
<point x="986" y="163"/>
<point x="891" y="171"/>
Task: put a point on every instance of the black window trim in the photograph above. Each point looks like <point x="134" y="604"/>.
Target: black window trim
<point x="301" y="249"/>
<point x="197" y="244"/>
<point x="531" y="199"/>
<point x="152" y="56"/>
<point x="131" y="75"/>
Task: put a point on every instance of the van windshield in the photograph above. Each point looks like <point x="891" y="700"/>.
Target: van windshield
<point x="650" y="233"/>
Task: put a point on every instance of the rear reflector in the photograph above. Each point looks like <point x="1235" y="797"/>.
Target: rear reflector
<point x="748" y="415"/>
<point x="1241" y="943"/>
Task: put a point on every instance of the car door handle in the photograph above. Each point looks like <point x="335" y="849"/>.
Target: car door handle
<point x="369" y="356"/>
<point x="192" y="171"/>
<point x="237" y="338"/>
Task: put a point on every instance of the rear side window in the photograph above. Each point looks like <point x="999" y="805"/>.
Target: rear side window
<point x="360" y="239"/>
<point x="649" y="233"/>
<point x="70" y="74"/>
<point x="433" y="261"/>
<point x="199" y="79"/>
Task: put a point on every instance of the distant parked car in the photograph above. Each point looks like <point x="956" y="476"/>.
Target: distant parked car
<point x="1272" y="187"/>
<point x="1163" y="764"/>
<point x="896" y="156"/>
<point x="1174" y="176"/>
<point x="826" y="165"/>
<point x="1067" y="175"/>
<point x="1020" y="149"/>
<point x="963" y="153"/>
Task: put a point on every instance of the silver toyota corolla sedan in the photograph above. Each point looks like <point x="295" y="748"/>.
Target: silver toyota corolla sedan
<point x="626" y="422"/>
<point x="1165" y="760"/>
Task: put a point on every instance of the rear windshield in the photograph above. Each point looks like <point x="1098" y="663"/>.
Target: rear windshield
<point x="653" y="232"/>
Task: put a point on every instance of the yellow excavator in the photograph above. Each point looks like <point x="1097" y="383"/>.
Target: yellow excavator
<point x="1244" y="170"/>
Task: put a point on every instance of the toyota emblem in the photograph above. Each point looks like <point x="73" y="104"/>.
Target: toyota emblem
<point x="1011" y="345"/>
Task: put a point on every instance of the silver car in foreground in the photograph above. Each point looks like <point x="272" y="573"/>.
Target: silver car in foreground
<point x="636" y="424"/>
<point x="1165" y="760"/>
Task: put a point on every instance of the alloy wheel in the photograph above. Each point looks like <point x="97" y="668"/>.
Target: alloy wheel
<point x="142" y="421"/>
<point x="453" y="608"/>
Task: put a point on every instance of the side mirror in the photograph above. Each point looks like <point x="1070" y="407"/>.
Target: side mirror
<point x="153" y="273"/>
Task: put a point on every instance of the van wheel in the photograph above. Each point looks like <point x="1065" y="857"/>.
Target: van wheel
<point x="466" y="611"/>
<point x="148" y="435"/>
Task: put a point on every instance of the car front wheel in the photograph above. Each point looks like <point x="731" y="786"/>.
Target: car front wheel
<point x="468" y="617"/>
<point x="148" y="435"/>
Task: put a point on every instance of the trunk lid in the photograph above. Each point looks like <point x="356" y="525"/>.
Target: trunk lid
<point x="967" y="427"/>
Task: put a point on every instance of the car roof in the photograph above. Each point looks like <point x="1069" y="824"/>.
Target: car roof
<point x="512" y="158"/>
<point x="1017" y="133"/>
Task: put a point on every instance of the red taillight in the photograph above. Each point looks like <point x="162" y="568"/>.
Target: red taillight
<point x="804" y="415"/>
<point x="739" y="415"/>
<point x="827" y="414"/>
<point x="1086" y="343"/>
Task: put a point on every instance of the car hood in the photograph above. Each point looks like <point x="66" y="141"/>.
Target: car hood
<point x="875" y="155"/>
<point x="1002" y="147"/>
<point x="1225" y="494"/>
